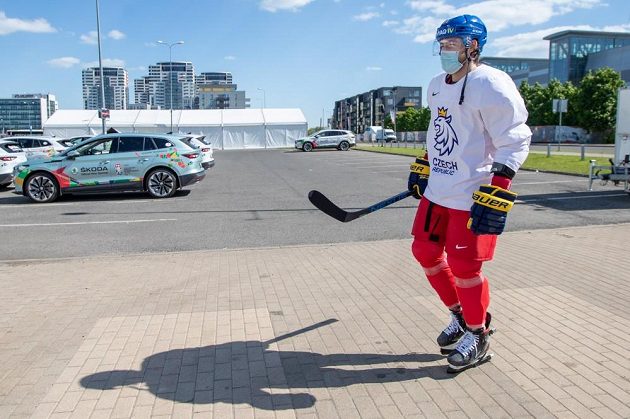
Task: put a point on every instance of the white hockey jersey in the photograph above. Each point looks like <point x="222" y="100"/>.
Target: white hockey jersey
<point x="464" y="140"/>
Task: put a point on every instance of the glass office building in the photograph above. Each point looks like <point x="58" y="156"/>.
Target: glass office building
<point x="569" y="51"/>
<point x="26" y="112"/>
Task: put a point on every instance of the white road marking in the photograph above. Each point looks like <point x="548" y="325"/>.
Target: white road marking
<point x="65" y="204"/>
<point x="551" y="181"/>
<point x="562" y="198"/>
<point x="88" y="222"/>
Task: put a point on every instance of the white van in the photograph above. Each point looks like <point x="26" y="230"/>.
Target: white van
<point x="375" y="133"/>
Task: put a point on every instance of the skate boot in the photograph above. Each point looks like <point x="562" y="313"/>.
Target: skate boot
<point x="472" y="349"/>
<point x="452" y="333"/>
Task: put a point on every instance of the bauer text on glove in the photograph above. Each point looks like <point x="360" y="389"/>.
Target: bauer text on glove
<point x="488" y="213"/>
<point x="418" y="177"/>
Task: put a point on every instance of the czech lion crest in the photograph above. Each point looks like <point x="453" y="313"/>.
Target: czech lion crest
<point x="445" y="137"/>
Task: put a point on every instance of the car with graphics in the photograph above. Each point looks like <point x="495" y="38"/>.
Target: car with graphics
<point x="37" y="147"/>
<point x="155" y="163"/>
<point x="11" y="155"/>
<point x="327" y="138"/>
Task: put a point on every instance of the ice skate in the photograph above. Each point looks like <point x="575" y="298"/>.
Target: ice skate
<point x="472" y="349"/>
<point x="451" y="335"/>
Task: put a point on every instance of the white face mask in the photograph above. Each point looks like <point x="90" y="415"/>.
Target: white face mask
<point x="450" y="61"/>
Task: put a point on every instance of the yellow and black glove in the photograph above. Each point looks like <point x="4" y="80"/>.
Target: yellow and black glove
<point x="488" y="213"/>
<point x="418" y="177"/>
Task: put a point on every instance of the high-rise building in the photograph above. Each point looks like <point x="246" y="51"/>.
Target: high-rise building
<point x="167" y="80"/>
<point x="116" y="83"/>
<point x="26" y="112"/>
<point x="220" y="96"/>
<point x="367" y="109"/>
<point x="221" y="77"/>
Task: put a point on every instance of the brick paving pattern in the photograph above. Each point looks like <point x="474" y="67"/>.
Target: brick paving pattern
<point x="209" y="334"/>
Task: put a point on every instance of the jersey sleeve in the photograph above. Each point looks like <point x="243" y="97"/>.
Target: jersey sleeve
<point x="504" y="114"/>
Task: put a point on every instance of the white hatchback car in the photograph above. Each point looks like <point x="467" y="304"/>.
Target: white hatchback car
<point x="39" y="146"/>
<point x="200" y="142"/>
<point x="11" y="155"/>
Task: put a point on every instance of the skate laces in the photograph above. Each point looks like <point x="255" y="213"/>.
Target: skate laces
<point x="468" y="343"/>
<point x="454" y="326"/>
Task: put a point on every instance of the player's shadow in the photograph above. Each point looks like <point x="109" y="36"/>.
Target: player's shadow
<point x="239" y="372"/>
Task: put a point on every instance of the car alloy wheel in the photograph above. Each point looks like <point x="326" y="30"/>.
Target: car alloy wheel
<point x="344" y="146"/>
<point x="42" y="188"/>
<point x="307" y="146"/>
<point x="161" y="184"/>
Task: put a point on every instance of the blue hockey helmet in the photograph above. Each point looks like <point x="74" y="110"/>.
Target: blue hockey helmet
<point x="466" y="27"/>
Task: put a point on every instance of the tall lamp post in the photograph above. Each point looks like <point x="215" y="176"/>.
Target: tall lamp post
<point x="170" y="72"/>
<point x="264" y="97"/>
<point x="100" y="66"/>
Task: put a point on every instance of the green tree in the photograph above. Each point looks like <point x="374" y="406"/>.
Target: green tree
<point x="388" y="122"/>
<point x="597" y="101"/>
<point x="539" y="102"/>
<point x="413" y="120"/>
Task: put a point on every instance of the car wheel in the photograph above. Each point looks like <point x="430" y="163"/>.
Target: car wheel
<point x="161" y="183"/>
<point x="307" y="146"/>
<point x="344" y="146"/>
<point x="42" y="188"/>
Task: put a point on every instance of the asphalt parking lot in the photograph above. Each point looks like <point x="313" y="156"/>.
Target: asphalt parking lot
<point x="258" y="198"/>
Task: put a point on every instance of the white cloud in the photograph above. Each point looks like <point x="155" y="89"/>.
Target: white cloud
<point x="63" y="62"/>
<point x="229" y="58"/>
<point x="107" y="62"/>
<point x="275" y="5"/>
<point x="531" y="44"/>
<point x="89" y="38"/>
<point x="388" y="23"/>
<point x="116" y="34"/>
<point x="373" y="68"/>
<point x="496" y="14"/>
<point x="364" y="17"/>
<point x="10" y="25"/>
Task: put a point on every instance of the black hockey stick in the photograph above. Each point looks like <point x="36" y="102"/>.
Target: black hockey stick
<point x="327" y="207"/>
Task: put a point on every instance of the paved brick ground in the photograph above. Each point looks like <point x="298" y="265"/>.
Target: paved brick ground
<point x="200" y="333"/>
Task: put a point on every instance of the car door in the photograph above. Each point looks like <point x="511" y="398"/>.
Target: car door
<point x="128" y="162"/>
<point x="325" y="139"/>
<point x="92" y="169"/>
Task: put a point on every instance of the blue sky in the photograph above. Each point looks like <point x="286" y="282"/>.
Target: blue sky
<point x="303" y="53"/>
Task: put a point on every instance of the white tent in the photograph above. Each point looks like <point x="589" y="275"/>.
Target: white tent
<point x="226" y="128"/>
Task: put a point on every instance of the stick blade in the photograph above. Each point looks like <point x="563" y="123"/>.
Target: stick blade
<point x="326" y="206"/>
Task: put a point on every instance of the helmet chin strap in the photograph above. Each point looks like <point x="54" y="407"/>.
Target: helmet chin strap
<point x="461" y="95"/>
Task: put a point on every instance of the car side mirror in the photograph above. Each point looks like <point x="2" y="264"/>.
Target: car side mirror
<point x="73" y="154"/>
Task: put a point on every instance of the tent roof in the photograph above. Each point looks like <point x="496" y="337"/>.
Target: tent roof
<point x="188" y="117"/>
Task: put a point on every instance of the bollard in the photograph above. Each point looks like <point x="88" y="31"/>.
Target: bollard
<point x="582" y="147"/>
<point x="548" y="150"/>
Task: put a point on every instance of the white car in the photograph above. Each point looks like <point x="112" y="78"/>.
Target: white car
<point x="39" y="146"/>
<point x="11" y="155"/>
<point x="200" y="142"/>
<point x="328" y="138"/>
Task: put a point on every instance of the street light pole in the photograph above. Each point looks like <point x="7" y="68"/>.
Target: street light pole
<point x="100" y="64"/>
<point x="264" y="97"/>
<point x="170" y="73"/>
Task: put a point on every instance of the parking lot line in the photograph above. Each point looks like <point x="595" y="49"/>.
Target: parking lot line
<point x="561" y="198"/>
<point x="88" y="222"/>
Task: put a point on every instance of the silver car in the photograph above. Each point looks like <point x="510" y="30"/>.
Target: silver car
<point x="158" y="164"/>
<point x="327" y="138"/>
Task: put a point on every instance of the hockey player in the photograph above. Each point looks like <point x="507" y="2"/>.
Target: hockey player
<point x="475" y="145"/>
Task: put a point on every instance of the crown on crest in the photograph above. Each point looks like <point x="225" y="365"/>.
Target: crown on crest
<point x="442" y="112"/>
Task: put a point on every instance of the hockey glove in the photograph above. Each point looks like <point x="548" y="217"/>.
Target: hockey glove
<point x="488" y="213"/>
<point x="418" y="177"/>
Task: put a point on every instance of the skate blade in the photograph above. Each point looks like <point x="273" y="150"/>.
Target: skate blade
<point x="452" y="369"/>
